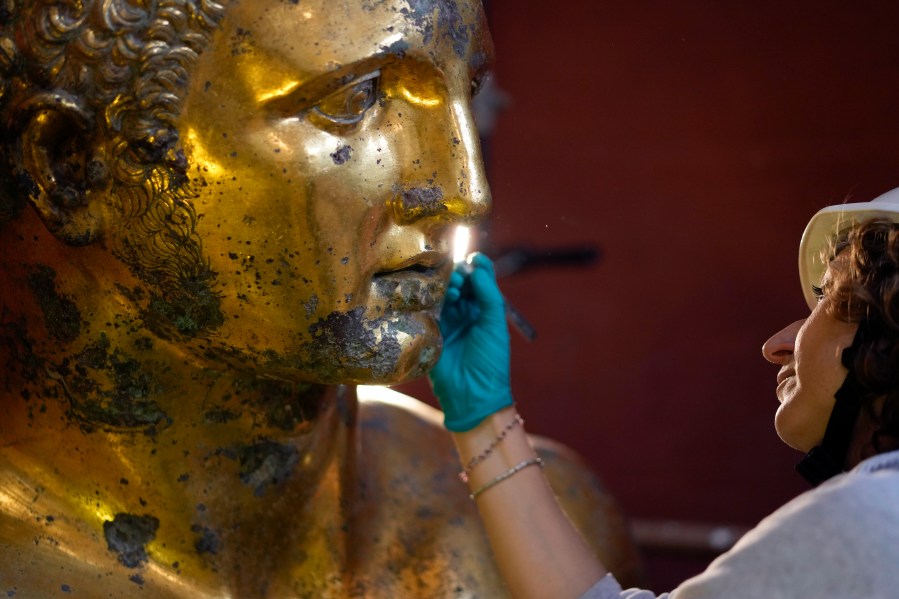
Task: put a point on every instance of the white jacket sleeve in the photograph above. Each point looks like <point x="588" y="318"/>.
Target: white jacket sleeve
<point x="839" y="540"/>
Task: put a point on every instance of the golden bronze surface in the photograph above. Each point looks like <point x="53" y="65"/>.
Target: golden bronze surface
<point x="219" y="217"/>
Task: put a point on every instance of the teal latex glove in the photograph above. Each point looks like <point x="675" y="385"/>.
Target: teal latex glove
<point x="472" y="377"/>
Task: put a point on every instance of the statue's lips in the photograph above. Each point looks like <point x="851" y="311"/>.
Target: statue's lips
<point x="416" y="287"/>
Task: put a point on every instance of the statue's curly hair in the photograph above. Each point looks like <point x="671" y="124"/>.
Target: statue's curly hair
<point x="867" y="292"/>
<point x="126" y="65"/>
<point x="125" y="60"/>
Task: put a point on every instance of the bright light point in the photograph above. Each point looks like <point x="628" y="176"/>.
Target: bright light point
<point x="460" y="243"/>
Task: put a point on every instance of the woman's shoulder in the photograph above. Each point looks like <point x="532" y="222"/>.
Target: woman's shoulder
<point x="873" y="484"/>
<point x="836" y="540"/>
<point x="884" y="462"/>
<point x="864" y="500"/>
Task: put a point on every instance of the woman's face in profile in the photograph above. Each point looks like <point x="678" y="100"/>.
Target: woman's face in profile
<point x="809" y="353"/>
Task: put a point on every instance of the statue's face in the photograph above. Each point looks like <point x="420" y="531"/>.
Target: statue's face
<point x="335" y="153"/>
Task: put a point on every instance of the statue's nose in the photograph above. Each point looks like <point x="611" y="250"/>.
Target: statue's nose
<point x="451" y="182"/>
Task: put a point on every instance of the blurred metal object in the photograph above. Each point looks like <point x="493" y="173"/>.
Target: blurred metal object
<point x="519" y="323"/>
<point x="517" y="259"/>
<point x="681" y="537"/>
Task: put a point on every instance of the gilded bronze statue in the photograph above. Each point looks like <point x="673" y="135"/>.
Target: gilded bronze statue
<point x="217" y="219"/>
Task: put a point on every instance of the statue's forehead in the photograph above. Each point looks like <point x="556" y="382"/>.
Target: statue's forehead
<point x="315" y="34"/>
<point x="271" y="48"/>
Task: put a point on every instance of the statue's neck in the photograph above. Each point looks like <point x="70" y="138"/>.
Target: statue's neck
<point x="104" y="424"/>
<point x="148" y="415"/>
<point x="113" y="427"/>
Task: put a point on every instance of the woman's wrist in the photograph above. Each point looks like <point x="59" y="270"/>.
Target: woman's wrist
<point x="493" y="448"/>
<point x="471" y="464"/>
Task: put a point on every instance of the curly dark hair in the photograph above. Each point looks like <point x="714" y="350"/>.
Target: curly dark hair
<point x="125" y="61"/>
<point x="125" y="64"/>
<point x="867" y="291"/>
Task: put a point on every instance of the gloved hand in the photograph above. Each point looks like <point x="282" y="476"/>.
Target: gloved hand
<point x="472" y="377"/>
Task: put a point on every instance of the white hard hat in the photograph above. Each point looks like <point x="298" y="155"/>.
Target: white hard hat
<point x="827" y="223"/>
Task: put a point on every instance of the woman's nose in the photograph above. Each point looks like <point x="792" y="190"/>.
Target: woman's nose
<point x="779" y="348"/>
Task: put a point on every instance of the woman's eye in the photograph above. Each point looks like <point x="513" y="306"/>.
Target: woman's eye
<point x="818" y="291"/>
<point x="349" y="105"/>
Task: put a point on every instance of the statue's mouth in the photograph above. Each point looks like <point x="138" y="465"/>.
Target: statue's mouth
<point x="414" y="287"/>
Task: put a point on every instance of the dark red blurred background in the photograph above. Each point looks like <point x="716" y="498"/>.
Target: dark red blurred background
<point x="689" y="142"/>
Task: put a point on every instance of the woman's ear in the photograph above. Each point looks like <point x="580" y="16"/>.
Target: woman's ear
<point x="54" y="165"/>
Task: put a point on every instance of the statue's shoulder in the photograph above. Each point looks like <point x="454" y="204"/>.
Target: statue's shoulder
<point x="383" y="408"/>
<point x="408" y="437"/>
<point x="402" y="436"/>
<point x="47" y="552"/>
<point x="592" y="508"/>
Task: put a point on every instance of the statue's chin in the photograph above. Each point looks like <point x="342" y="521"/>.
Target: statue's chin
<point x="403" y="354"/>
<point x="347" y="348"/>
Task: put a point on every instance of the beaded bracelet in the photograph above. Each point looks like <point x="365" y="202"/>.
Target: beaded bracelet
<point x="511" y="471"/>
<point x="518" y="420"/>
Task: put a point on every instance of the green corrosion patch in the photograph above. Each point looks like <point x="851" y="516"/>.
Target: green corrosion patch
<point x="126" y="403"/>
<point x="345" y="342"/>
<point x="127" y="535"/>
<point x="264" y="464"/>
<point x="191" y="310"/>
<point x="287" y="405"/>
<point x="420" y="202"/>
<point x="220" y="415"/>
<point x="207" y="541"/>
<point x="61" y="316"/>
<point x="20" y="357"/>
<point x="290" y="406"/>
<point x="450" y="24"/>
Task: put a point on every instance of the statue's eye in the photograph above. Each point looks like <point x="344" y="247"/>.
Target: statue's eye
<point x="348" y="106"/>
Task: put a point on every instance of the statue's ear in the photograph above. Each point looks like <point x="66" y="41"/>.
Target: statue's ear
<point x="55" y="166"/>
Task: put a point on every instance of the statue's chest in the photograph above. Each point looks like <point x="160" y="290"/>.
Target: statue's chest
<point x="421" y="556"/>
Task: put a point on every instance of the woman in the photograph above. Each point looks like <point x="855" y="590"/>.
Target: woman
<point x="838" y="387"/>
